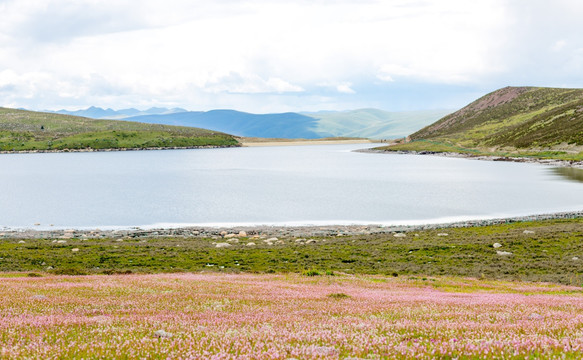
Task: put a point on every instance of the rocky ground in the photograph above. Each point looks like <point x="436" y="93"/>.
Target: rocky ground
<point x="277" y="231"/>
<point x="549" y="162"/>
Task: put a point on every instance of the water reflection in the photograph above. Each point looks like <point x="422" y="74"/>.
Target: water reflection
<point x="569" y="173"/>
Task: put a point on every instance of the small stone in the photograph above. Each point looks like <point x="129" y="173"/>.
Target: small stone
<point x="528" y="232"/>
<point x="443" y="234"/>
<point x="50" y="268"/>
<point x="21" y="242"/>
<point x="535" y="316"/>
<point x="222" y="245"/>
<point x="272" y="239"/>
<point x="497" y="245"/>
<point x="223" y="233"/>
<point x="575" y="258"/>
<point x="310" y="241"/>
<point x="228" y="236"/>
<point x="242" y="234"/>
<point x="503" y="253"/>
<point x="399" y="235"/>
<point x="75" y="249"/>
<point x="250" y="244"/>
<point x="162" y="334"/>
<point x="61" y="241"/>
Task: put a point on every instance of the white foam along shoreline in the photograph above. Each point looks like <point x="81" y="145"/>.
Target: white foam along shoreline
<point x="287" y="229"/>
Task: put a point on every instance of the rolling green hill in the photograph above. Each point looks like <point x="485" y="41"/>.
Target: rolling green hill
<point x="531" y="121"/>
<point x="373" y="123"/>
<point x="28" y="130"/>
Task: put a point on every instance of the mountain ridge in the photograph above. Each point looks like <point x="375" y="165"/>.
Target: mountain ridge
<point x="367" y="122"/>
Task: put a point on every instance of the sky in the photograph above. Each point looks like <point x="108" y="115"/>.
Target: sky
<point x="274" y="56"/>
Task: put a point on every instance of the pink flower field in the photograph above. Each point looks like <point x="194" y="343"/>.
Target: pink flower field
<point x="215" y="316"/>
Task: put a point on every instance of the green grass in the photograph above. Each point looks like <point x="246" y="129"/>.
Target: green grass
<point x="546" y="255"/>
<point x="445" y="147"/>
<point x="22" y="130"/>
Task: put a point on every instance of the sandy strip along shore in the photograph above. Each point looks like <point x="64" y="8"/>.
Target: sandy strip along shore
<point x="253" y="143"/>
<point x="281" y="231"/>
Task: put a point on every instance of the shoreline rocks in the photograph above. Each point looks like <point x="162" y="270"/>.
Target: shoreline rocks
<point x="549" y="162"/>
<point x="270" y="234"/>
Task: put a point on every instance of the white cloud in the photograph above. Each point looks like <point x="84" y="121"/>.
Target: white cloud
<point x="250" y="84"/>
<point x="558" y="45"/>
<point x="227" y="53"/>
<point x="345" y="88"/>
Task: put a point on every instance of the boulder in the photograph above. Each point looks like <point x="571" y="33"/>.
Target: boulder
<point x="497" y="245"/>
<point x="162" y="334"/>
<point x="535" y="316"/>
<point x="222" y="245"/>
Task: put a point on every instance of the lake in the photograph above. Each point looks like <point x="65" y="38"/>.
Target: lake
<point x="324" y="184"/>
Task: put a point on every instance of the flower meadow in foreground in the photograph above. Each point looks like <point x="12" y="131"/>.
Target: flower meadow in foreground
<point x="215" y="316"/>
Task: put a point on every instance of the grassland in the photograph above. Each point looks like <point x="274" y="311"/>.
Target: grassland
<point x="527" y="121"/>
<point x="550" y="253"/>
<point x="22" y="130"/>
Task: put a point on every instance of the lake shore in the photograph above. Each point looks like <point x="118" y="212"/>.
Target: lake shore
<point x="530" y="160"/>
<point x="254" y="142"/>
<point x="118" y="149"/>
<point x="268" y="230"/>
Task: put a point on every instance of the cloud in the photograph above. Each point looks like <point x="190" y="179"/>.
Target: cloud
<point x="250" y="84"/>
<point x="559" y="45"/>
<point x="345" y="88"/>
<point x="292" y="55"/>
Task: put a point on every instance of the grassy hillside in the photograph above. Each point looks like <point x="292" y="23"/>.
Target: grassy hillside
<point x="542" y="122"/>
<point x="27" y="130"/>
<point x="373" y="123"/>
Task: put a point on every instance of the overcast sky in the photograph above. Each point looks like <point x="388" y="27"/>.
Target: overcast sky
<point x="274" y="56"/>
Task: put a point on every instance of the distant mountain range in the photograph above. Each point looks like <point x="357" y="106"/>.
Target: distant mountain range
<point x="100" y="113"/>
<point x="367" y="123"/>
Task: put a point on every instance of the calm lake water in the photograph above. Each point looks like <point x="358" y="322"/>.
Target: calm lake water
<point x="270" y="185"/>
